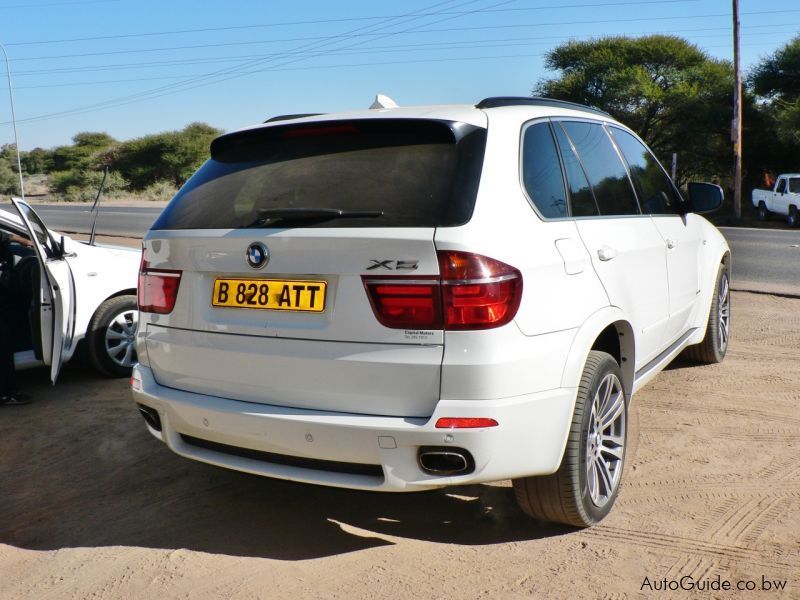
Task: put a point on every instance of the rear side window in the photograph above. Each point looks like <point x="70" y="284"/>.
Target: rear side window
<point x="541" y="171"/>
<point x="604" y="168"/>
<point x="794" y="185"/>
<point x="395" y="172"/>
<point x="580" y="192"/>
<point x="654" y="187"/>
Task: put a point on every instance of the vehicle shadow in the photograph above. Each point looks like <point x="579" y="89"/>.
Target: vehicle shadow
<point x="79" y="469"/>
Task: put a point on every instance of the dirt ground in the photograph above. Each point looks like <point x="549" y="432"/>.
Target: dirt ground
<point x="93" y="507"/>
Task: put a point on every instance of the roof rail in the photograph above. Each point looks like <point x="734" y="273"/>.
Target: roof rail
<point x="498" y="101"/>
<point x="289" y="117"/>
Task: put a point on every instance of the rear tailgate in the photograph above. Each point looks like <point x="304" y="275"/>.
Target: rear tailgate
<point x="299" y="330"/>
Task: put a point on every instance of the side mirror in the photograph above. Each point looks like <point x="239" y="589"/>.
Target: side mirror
<point x="704" y="197"/>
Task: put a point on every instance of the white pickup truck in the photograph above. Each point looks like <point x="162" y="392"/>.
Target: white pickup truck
<point x="784" y="199"/>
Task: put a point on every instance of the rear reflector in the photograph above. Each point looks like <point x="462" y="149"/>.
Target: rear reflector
<point x="465" y="423"/>
<point x="472" y="292"/>
<point x="158" y="289"/>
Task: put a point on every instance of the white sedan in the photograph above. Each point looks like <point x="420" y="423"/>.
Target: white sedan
<point x="85" y="293"/>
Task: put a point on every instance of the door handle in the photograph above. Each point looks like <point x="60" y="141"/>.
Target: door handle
<point x="606" y="253"/>
<point x="670" y="243"/>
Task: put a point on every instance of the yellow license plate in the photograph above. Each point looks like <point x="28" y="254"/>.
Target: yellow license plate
<point x="270" y="294"/>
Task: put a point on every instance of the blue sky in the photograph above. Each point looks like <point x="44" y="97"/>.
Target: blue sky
<point x="133" y="68"/>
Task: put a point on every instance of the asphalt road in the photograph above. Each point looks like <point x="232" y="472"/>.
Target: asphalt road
<point x="124" y="221"/>
<point x="764" y="259"/>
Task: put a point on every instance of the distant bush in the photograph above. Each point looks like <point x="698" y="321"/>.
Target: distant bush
<point x="82" y="186"/>
<point x="9" y="179"/>
<point x="150" y="167"/>
<point x="161" y="191"/>
<point x="170" y="156"/>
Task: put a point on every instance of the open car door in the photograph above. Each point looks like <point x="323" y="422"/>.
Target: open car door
<point x="57" y="305"/>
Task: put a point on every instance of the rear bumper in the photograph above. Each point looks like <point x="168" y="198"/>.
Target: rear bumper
<point x="529" y="439"/>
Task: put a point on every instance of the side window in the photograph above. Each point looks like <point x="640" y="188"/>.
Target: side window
<point x="580" y="192"/>
<point x="781" y="189"/>
<point x="604" y="168"/>
<point x="656" y="193"/>
<point x="541" y="171"/>
<point x="794" y="185"/>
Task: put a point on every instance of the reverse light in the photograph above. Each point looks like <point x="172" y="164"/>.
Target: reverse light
<point x="472" y="292"/>
<point x="158" y="289"/>
<point x="465" y="423"/>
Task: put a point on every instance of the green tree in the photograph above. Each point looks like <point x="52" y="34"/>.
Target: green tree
<point x="86" y="147"/>
<point x="776" y="81"/>
<point x="36" y="161"/>
<point x="676" y="97"/>
<point x="170" y="156"/>
<point x="9" y="178"/>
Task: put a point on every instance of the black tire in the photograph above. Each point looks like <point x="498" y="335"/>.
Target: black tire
<point x="762" y="213"/>
<point x="715" y="344"/>
<point x="117" y="317"/>
<point x="792" y="217"/>
<point x="566" y="495"/>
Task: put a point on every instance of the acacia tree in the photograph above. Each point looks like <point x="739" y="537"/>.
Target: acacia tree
<point x="170" y="156"/>
<point x="676" y="97"/>
<point x="776" y="81"/>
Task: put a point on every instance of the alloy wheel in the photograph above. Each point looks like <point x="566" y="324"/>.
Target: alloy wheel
<point x="120" y="338"/>
<point x="723" y="313"/>
<point x="605" y="442"/>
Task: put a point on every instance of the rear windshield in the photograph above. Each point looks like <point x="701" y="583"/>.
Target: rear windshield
<point x="391" y="172"/>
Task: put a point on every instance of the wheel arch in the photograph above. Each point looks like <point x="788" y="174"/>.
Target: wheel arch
<point x="128" y="292"/>
<point x="722" y="255"/>
<point x="607" y="330"/>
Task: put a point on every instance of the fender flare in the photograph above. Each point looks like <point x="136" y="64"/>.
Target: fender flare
<point x="585" y="337"/>
<point x="720" y="253"/>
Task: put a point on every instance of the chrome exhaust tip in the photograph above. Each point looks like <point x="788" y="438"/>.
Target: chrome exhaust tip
<point x="442" y="460"/>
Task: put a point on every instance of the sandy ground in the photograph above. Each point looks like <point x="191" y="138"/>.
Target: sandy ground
<point x="93" y="507"/>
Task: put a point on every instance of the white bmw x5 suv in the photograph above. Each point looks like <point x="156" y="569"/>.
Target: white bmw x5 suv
<point x="408" y="298"/>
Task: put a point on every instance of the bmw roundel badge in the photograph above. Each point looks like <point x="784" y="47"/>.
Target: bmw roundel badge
<point x="257" y="255"/>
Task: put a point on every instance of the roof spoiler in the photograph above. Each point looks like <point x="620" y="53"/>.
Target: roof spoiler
<point x="290" y="117"/>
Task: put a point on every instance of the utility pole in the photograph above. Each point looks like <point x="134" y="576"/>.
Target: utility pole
<point x="736" y="132"/>
<point x="14" y="122"/>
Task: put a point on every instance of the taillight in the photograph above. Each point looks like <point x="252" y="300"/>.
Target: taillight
<point x="478" y="292"/>
<point x="158" y="289"/>
<point x="405" y="303"/>
<point x="472" y="292"/>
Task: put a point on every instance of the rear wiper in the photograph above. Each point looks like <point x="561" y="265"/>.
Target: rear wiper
<point x="269" y="216"/>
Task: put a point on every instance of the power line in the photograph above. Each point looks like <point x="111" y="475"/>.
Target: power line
<point x="430" y="46"/>
<point x="452" y="29"/>
<point x="324" y="67"/>
<point x="219" y="75"/>
<point x="295" y="39"/>
<point x="315" y="50"/>
<point x="348" y="65"/>
<point x="290" y="53"/>
<point x="329" y="21"/>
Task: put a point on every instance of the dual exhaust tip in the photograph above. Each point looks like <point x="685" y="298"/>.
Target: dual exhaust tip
<point x="444" y="460"/>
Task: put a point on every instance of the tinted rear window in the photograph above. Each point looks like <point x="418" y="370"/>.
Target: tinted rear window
<point x="418" y="173"/>
<point x="610" y="184"/>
